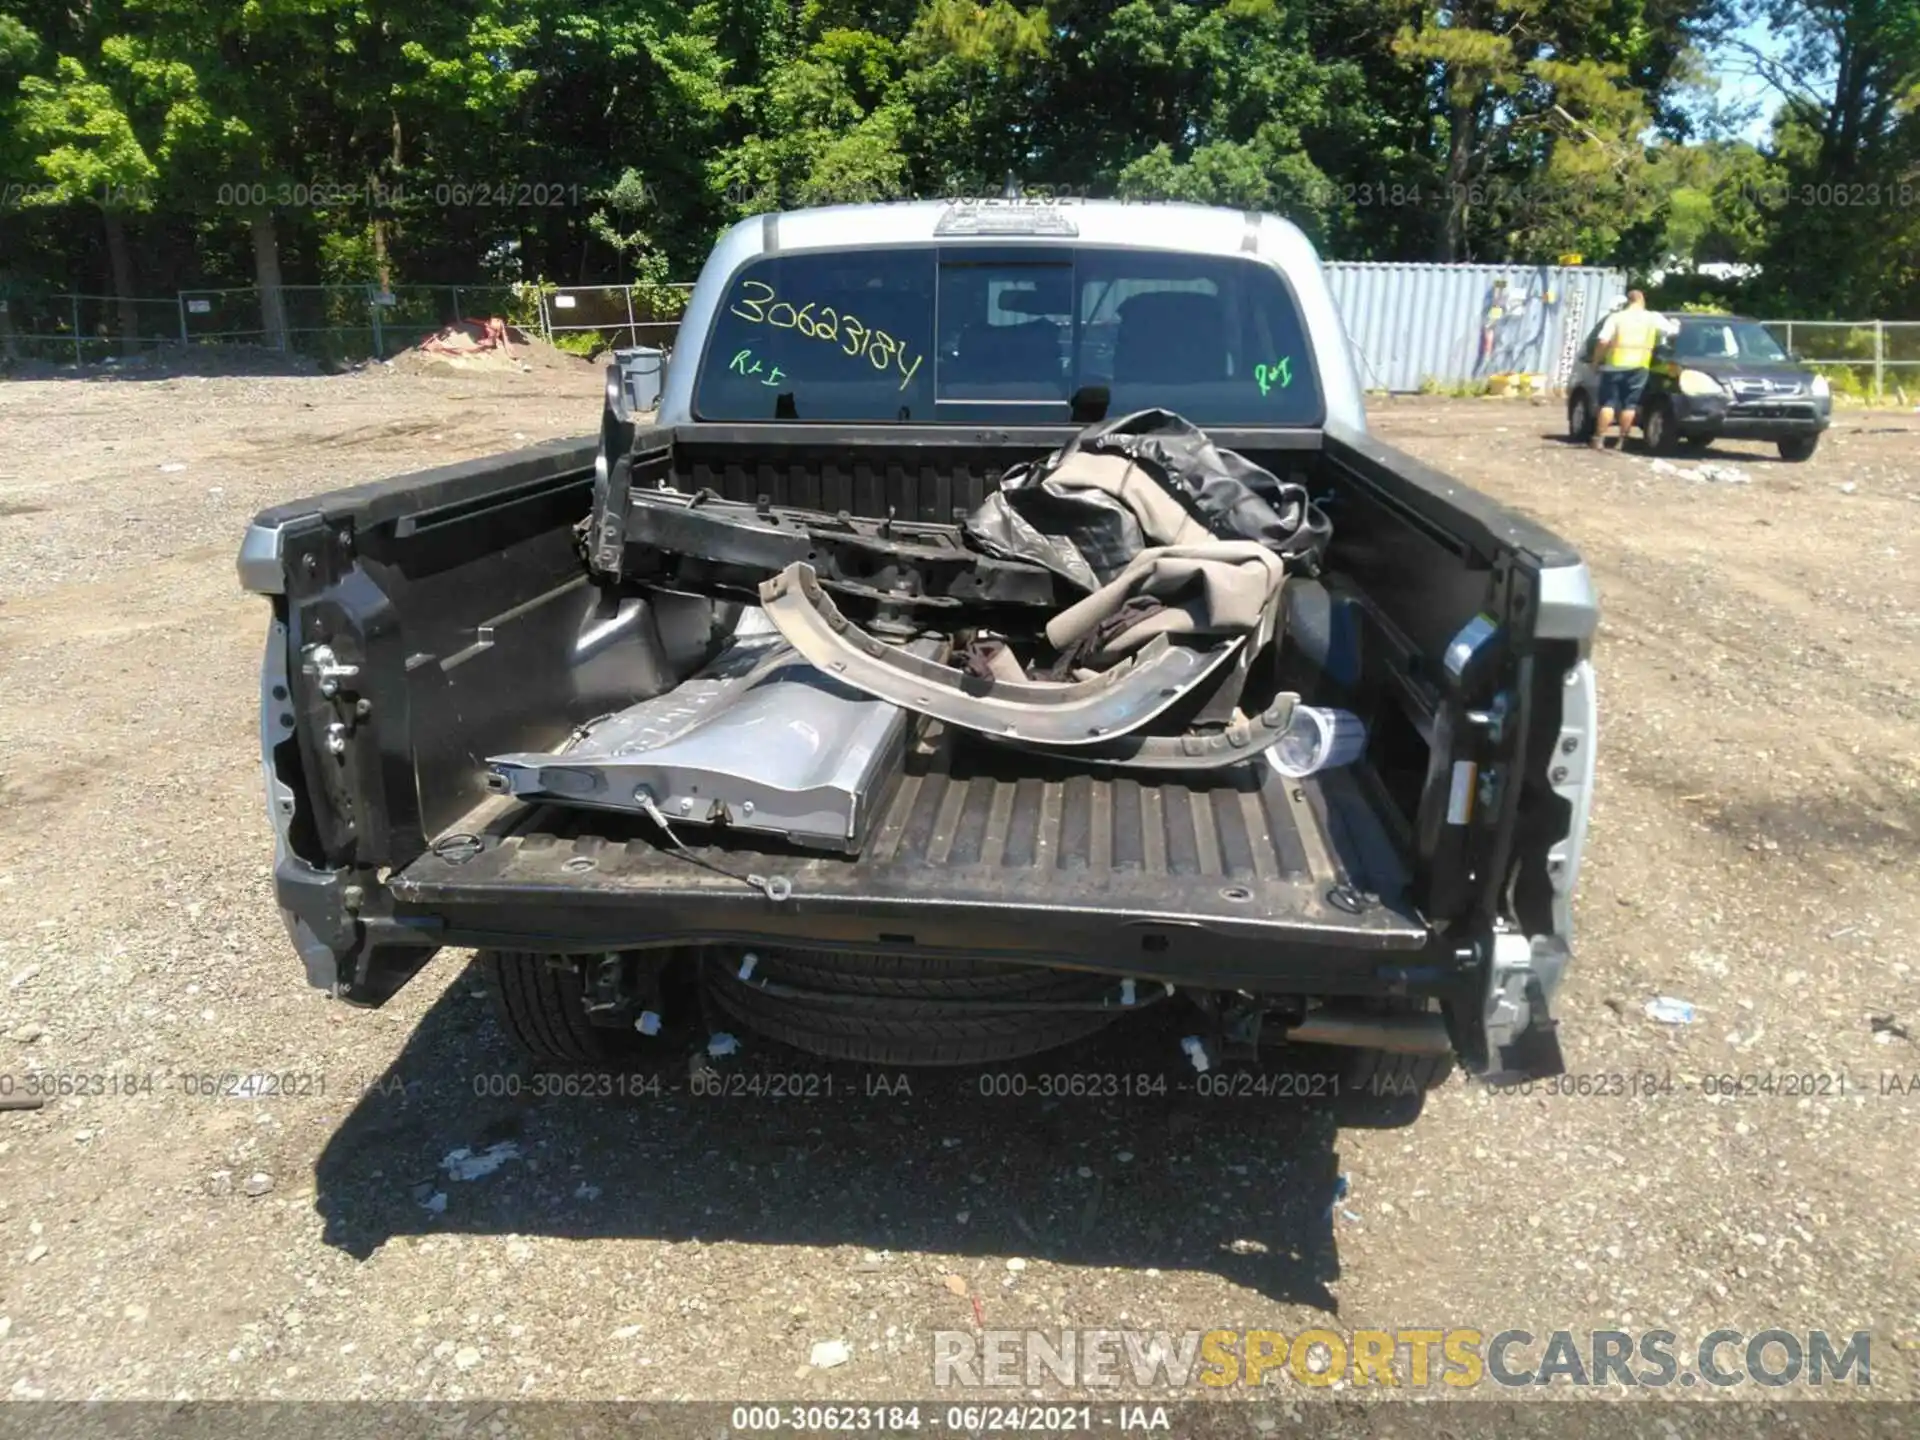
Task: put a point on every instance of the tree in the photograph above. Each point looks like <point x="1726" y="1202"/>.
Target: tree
<point x="1843" y="239"/>
<point x="1542" y="107"/>
<point x="84" y="146"/>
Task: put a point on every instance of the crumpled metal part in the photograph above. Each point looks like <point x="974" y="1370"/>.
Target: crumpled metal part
<point x="1083" y="713"/>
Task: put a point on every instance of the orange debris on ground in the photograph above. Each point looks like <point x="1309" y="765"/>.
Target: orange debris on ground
<point x="467" y="337"/>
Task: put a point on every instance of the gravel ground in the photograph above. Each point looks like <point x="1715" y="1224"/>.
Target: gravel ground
<point x="1753" y="851"/>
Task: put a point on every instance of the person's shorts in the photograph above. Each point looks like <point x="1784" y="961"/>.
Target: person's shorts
<point x="1620" y="389"/>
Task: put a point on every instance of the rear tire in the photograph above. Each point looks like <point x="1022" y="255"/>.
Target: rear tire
<point x="1580" y="418"/>
<point x="543" y="1010"/>
<point x="1382" y="1089"/>
<point x="1799" y="449"/>
<point x="905" y="1009"/>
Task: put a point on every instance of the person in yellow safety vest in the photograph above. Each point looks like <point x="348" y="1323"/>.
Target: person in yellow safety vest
<point x="1624" y="352"/>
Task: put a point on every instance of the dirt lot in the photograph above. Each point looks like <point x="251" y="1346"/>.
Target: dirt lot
<point x="1754" y="850"/>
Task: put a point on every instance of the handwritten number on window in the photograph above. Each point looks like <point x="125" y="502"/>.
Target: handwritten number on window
<point x="756" y="310"/>
<point x="853" y="337"/>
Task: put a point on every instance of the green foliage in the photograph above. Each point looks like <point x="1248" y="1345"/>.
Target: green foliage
<point x="346" y="257"/>
<point x="586" y="343"/>
<point x="601" y="141"/>
<point x="85" y="145"/>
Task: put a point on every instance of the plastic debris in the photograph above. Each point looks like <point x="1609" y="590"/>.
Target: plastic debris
<point x="1342" y="1186"/>
<point x="435" y="1203"/>
<point x="1126" y="992"/>
<point x="1318" y="739"/>
<point x="463" y="1164"/>
<point x="1721" y="474"/>
<point x="720" y="1045"/>
<point x="1197" y="1052"/>
<point x="648" y="1023"/>
<point x="1669" y="1011"/>
<point x="826" y="1354"/>
<point x="1713" y="473"/>
<point x="747" y="962"/>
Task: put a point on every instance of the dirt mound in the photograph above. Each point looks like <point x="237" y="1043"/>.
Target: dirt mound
<point x="490" y="344"/>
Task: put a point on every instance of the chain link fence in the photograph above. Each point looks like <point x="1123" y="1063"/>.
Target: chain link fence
<point x="85" y="329"/>
<point x="589" y="318"/>
<point x="1863" y="358"/>
<point x="335" y="322"/>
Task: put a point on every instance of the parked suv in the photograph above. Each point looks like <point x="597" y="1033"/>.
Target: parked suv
<point x="1718" y="377"/>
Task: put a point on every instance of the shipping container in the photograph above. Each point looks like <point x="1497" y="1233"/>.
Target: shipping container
<point x="1429" y="326"/>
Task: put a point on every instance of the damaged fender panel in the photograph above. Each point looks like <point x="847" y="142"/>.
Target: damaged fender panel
<point x="759" y="740"/>
<point x="1080" y="714"/>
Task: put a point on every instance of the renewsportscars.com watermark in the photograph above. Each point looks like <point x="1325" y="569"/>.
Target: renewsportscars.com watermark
<point x="1459" y="1359"/>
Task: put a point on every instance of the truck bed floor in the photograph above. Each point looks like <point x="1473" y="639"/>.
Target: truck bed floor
<point x="981" y="850"/>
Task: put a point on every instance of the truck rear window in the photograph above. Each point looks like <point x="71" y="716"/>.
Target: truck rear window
<point x="1006" y="333"/>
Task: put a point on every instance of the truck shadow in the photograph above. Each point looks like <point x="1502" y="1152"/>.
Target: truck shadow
<point x="799" y="1151"/>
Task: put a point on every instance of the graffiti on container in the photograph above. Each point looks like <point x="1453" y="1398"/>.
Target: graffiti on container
<point x="1516" y="324"/>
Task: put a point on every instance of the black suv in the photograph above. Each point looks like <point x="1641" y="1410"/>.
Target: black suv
<point x="1719" y="377"/>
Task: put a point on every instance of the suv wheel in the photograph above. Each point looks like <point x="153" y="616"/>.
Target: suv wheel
<point x="1580" y="417"/>
<point x="1800" y="448"/>
<point x="1657" y="429"/>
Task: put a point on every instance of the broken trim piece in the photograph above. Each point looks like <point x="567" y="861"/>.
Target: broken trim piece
<point x="1085" y="713"/>
<point x="1243" y="740"/>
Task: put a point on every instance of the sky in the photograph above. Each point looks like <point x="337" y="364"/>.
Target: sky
<point x="1739" y="86"/>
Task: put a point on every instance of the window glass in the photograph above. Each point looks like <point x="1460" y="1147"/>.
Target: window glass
<point x="846" y="336"/>
<point x="1726" y="340"/>
<point x="1007" y="333"/>
<point x="1006" y="329"/>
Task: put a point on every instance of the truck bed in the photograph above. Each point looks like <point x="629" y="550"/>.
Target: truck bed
<point x="1022" y="857"/>
<point x="457" y="608"/>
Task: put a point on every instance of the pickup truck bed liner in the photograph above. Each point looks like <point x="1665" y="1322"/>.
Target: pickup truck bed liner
<point x="1031" y="855"/>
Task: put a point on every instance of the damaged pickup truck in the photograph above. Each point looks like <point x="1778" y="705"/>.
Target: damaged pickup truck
<point x="1005" y="624"/>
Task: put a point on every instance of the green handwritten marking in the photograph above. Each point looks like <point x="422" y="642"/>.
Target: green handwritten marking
<point x="1265" y="375"/>
<point x="739" y="366"/>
